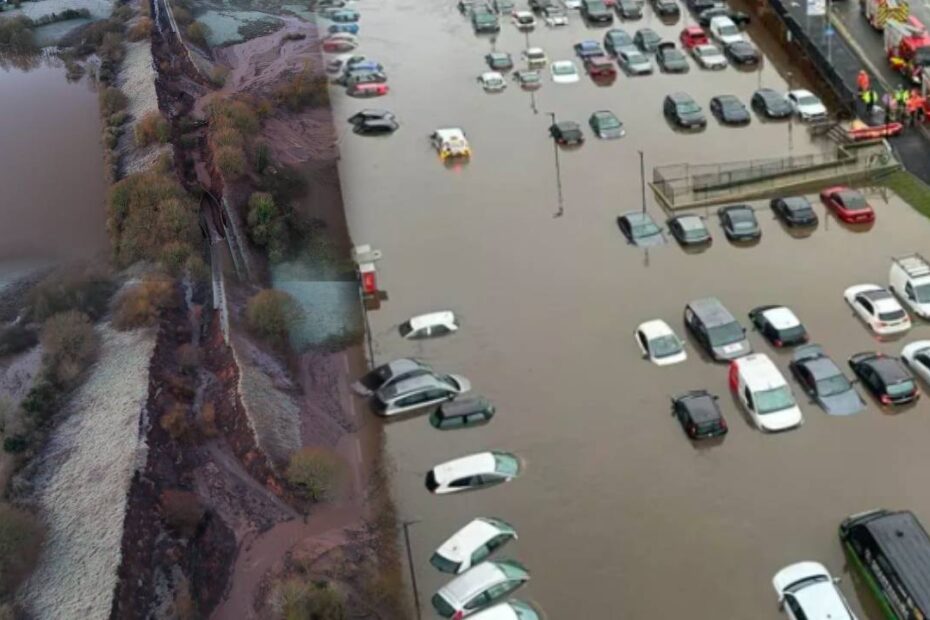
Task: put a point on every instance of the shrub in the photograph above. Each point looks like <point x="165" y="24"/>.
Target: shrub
<point x="304" y="90"/>
<point x="182" y="15"/>
<point x="83" y="288"/>
<point x="315" y="473"/>
<point x="206" y="420"/>
<point x="118" y="119"/>
<point x="152" y="127"/>
<point x="41" y="400"/>
<point x="21" y="539"/>
<point x="16" y="339"/>
<point x="299" y="600"/>
<point x="174" y="422"/>
<point x="141" y="30"/>
<point x="16" y="35"/>
<point x="236" y="113"/>
<point x="140" y="305"/>
<point x="197" y="34"/>
<point x="262" y="157"/>
<point x="69" y="346"/>
<point x="230" y="161"/>
<point x="124" y="12"/>
<point x="111" y="48"/>
<point x="15" y="444"/>
<point x="271" y="314"/>
<point x="266" y="225"/>
<point x="112" y="100"/>
<point x="182" y="511"/>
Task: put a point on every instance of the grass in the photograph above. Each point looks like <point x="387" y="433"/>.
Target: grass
<point x="912" y="190"/>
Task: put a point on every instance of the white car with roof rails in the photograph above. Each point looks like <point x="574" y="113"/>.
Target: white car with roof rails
<point x="479" y="587"/>
<point x="916" y="356"/>
<point x="909" y="279"/>
<point x="724" y="30"/>
<point x="764" y="393"/>
<point x="429" y="325"/>
<point x="387" y="374"/>
<point x="806" y="591"/>
<point x="474" y="471"/>
<point x="659" y="343"/>
<point x="878" y="309"/>
<point x="514" y="609"/>
<point x="472" y="544"/>
<point x="417" y="392"/>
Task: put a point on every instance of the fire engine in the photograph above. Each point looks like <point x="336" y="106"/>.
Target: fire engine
<point x="907" y="46"/>
<point x="878" y="12"/>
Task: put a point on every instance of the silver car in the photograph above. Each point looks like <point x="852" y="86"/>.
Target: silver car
<point x="633" y="61"/>
<point x="388" y="374"/>
<point x="421" y="390"/>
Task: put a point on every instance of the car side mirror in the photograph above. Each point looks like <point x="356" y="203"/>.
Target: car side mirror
<point x="781" y="602"/>
<point x="836" y="580"/>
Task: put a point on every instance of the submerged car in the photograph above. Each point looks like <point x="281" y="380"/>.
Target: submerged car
<point x="472" y="544"/>
<point x="716" y="329"/>
<point x="523" y="20"/>
<point x="376" y="127"/>
<point x="429" y="325"/>
<point x="729" y="110"/>
<point x="806" y="591"/>
<point x="764" y="394"/>
<point x="368" y="89"/>
<point x="628" y="9"/>
<point x="513" y="609"/>
<point x="499" y="61"/>
<point x="807" y="106"/>
<point x="647" y="40"/>
<point x="589" y="47"/>
<point x="600" y="68"/>
<point x="692" y="36"/>
<point x="689" y="230"/>
<point x="450" y="142"/>
<point x="742" y="53"/>
<point x="666" y="8"/>
<point x="555" y="16"/>
<point x="335" y="44"/>
<point x="348" y="28"/>
<point x="683" y="111"/>
<point x="473" y="472"/>
<point x="416" y="392"/>
<point x="824" y="382"/>
<point x="878" y="309"/>
<point x="886" y="377"/>
<point x="479" y="587"/>
<point x="564" y="72"/>
<point x="794" y="211"/>
<point x="596" y="12"/>
<point x="566" y="133"/>
<point x="699" y="415"/>
<point x="388" y="374"/>
<point x="739" y="18"/>
<point x="616" y="39"/>
<point x="528" y="79"/>
<point x="640" y="229"/>
<point x="708" y="56"/>
<point x="917" y="357"/>
<point x="848" y="204"/>
<point x="659" y="343"/>
<point x="606" y="125"/>
<point x="462" y="413"/>
<point x="492" y="81"/>
<point x="370" y="114"/>
<point x="778" y="325"/>
<point x="771" y="104"/>
<point x="671" y="59"/>
<point x="344" y="16"/>
<point x="739" y="223"/>
<point x="535" y="57"/>
<point x="633" y="62"/>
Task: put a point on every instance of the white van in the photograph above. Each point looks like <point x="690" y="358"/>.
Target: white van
<point x="909" y="279"/>
<point x="763" y="392"/>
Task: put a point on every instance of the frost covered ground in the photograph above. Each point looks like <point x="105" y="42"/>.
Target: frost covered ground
<point x="137" y="81"/>
<point x="82" y="481"/>
<point x="34" y="10"/>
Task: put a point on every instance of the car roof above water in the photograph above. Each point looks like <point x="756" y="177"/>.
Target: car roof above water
<point x="460" y="546"/>
<point x="711" y="311"/>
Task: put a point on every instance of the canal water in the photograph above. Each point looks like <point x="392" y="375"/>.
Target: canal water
<point x="51" y="167"/>
<point x="619" y="515"/>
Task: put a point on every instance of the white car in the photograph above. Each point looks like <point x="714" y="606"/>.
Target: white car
<point x="535" y="57"/>
<point x="806" y="591"/>
<point x="479" y="587"/>
<point x="917" y="357"/>
<point x="429" y="325"/>
<point x="659" y="344"/>
<point x="555" y="16"/>
<point x="806" y="105"/>
<point x="878" y="308"/>
<point x="564" y="72"/>
<point x="909" y="279"/>
<point x="724" y="30"/>
<point x="472" y="544"/>
<point x="523" y="20"/>
<point x="514" y="609"/>
<point x="709" y="57"/>
<point x="763" y="392"/>
<point x="450" y="142"/>
<point x="492" y="81"/>
<point x="473" y="472"/>
<point x="572" y="4"/>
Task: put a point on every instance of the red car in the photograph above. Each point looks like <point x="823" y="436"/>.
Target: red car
<point x="367" y="90"/>
<point x="600" y="67"/>
<point x="848" y="204"/>
<point x="692" y="36"/>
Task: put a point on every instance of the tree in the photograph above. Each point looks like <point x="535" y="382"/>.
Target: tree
<point x="69" y="344"/>
<point x="21" y="538"/>
<point x="315" y="473"/>
<point x="140" y="305"/>
<point x="299" y="600"/>
<point x="271" y="314"/>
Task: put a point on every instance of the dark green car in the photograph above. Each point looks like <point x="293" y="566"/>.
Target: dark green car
<point x="462" y="413"/>
<point x="606" y="125"/>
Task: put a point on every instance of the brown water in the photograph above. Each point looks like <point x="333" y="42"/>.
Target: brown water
<point x="51" y="167"/>
<point x="619" y="515"/>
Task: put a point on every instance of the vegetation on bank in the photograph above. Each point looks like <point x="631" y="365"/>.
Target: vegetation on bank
<point x="911" y="189"/>
<point x="302" y="599"/>
<point x="270" y="314"/>
<point x="316" y="474"/>
<point x="21" y="537"/>
<point x="16" y="35"/>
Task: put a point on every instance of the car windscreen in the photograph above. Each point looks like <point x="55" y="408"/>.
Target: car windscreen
<point x="773" y="400"/>
<point x="800" y="210"/>
<point x="725" y="334"/>
<point x="922" y="293"/>
<point x="405" y="329"/>
<point x="808" y="100"/>
<point x="444" y="565"/>
<point x="743" y="220"/>
<point x="596" y="5"/>
<point x="664" y="346"/>
<point x="442" y="607"/>
<point x="563" y="69"/>
<point x="791" y="334"/>
<point x="608" y="122"/>
<point x="644" y="229"/>
<point x="688" y="107"/>
<point x="803" y="583"/>
<point x="506" y="464"/>
<point x="728" y="31"/>
<point x="901" y="388"/>
<point x="893" y="315"/>
<point x="831" y="386"/>
<point x="854" y="201"/>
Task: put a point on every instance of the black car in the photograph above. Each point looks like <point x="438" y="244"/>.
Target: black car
<point x="499" y="61"/>
<point x="596" y="12"/>
<point x="566" y="133"/>
<point x="737" y="17"/>
<point x="699" y="6"/>
<point x="779" y="325"/>
<point x="689" y="230"/>
<point x="671" y="59"/>
<point x="739" y="223"/>
<point x="824" y="382"/>
<point x="370" y="114"/>
<point x="462" y="413"/>
<point x="666" y="8"/>
<point x="683" y="111"/>
<point x="376" y="126"/>
<point x="771" y="104"/>
<point x="742" y="53"/>
<point x="616" y="39"/>
<point x="699" y="415"/>
<point x="628" y="9"/>
<point x="794" y="211"/>
<point x="502" y="7"/>
<point x="537" y="6"/>
<point x="886" y="377"/>
<point x="647" y="40"/>
<point x="729" y="110"/>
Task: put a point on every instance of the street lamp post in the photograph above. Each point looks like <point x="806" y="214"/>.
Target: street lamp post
<point x="642" y="179"/>
<point x="558" y="173"/>
<point x="413" y="573"/>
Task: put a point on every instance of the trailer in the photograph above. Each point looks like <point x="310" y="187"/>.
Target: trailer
<point x="878" y="12"/>
<point x="907" y="46"/>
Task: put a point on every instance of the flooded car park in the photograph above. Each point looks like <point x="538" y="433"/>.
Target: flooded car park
<point x="619" y="514"/>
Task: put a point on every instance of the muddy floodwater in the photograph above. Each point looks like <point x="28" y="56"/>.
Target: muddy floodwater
<point x="618" y="514"/>
<point x="51" y="167"/>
